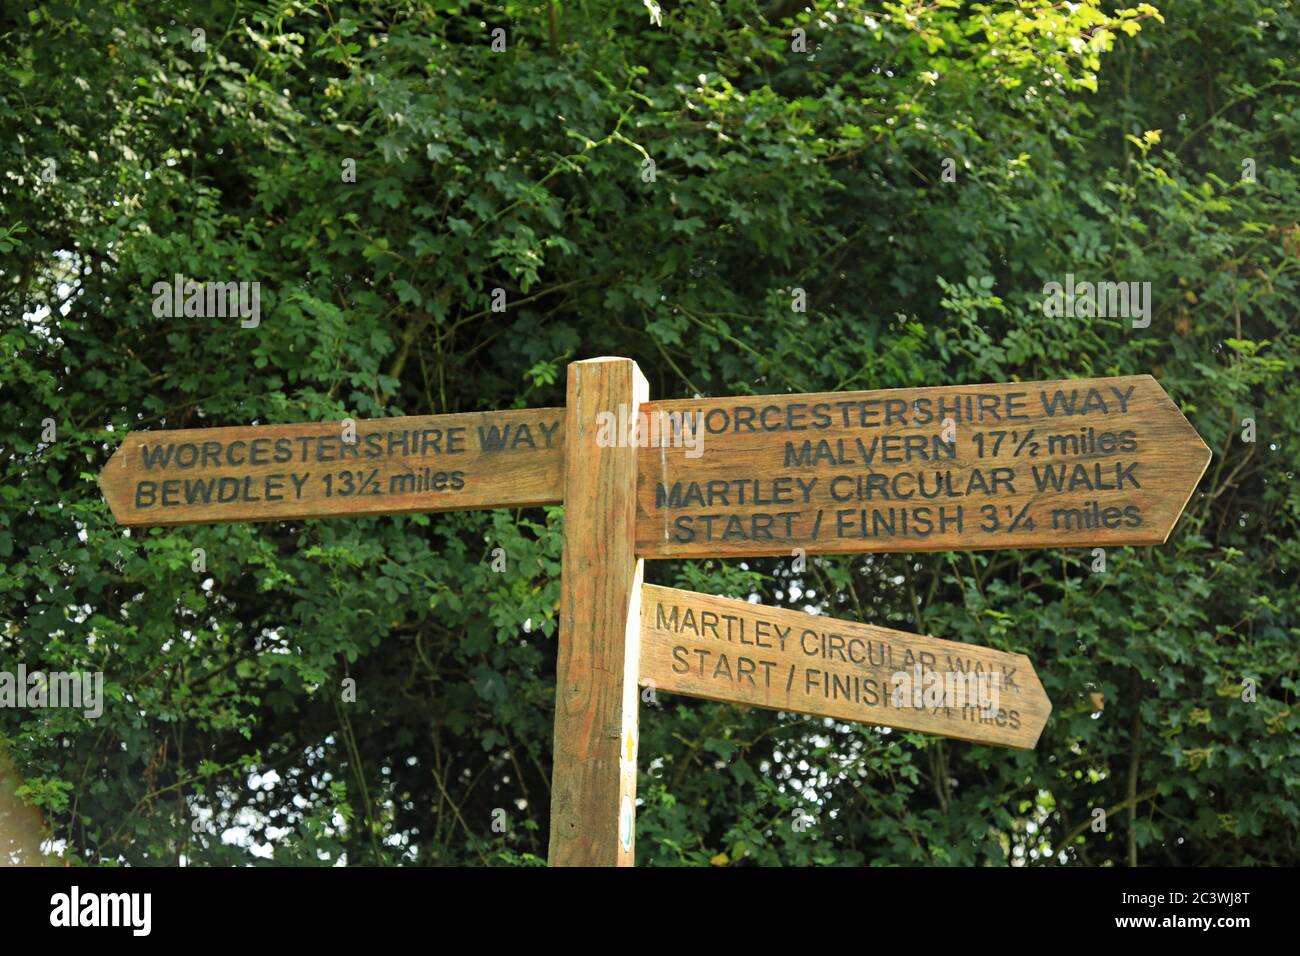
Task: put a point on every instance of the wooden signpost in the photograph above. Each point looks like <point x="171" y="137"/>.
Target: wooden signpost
<point x="1108" y="461"/>
<point x="743" y="653"/>
<point x="386" y="466"/>
<point x="1061" y="464"/>
<point x="593" y="777"/>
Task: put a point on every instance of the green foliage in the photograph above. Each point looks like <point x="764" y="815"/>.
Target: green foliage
<point x="1105" y="144"/>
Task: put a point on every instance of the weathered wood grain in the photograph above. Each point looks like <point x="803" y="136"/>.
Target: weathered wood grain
<point x="720" y="649"/>
<point x="1079" y="463"/>
<point x="593" y="788"/>
<point x="394" y="466"/>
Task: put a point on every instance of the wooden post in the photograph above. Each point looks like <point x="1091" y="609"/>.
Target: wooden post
<point x="593" y="784"/>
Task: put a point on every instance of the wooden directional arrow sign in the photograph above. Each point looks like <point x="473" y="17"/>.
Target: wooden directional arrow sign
<point x="1107" y="461"/>
<point x="726" y="650"/>
<point x="381" y="466"/>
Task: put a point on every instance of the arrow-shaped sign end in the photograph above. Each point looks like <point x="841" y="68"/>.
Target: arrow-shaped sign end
<point x="113" y="483"/>
<point x="1194" y="465"/>
<point x="1035" y="694"/>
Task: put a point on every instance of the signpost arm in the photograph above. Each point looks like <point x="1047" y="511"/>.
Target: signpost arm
<point x="593" y="788"/>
